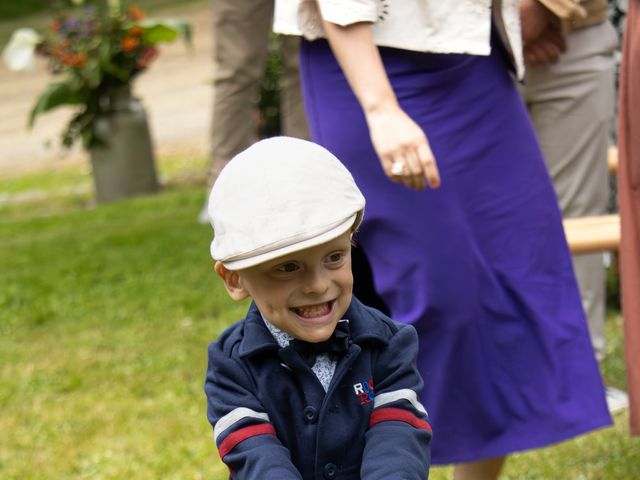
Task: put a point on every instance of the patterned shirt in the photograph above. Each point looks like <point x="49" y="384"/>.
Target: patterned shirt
<point x="324" y="368"/>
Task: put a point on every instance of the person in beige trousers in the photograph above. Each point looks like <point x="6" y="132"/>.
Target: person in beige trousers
<point x="241" y="31"/>
<point x="570" y="94"/>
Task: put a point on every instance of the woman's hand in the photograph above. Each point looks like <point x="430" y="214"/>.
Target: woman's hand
<point x="546" y="49"/>
<point x="541" y="42"/>
<point x="400" y="143"/>
<point x="402" y="147"/>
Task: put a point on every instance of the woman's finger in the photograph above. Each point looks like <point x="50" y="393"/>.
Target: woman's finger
<point x="429" y="165"/>
<point x="415" y="174"/>
<point x="395" y="169"/>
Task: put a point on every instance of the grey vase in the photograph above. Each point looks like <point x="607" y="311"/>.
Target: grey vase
<point x="125" y="167"/>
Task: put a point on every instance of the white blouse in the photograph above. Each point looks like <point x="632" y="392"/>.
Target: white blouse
<point x="438" y="26"/>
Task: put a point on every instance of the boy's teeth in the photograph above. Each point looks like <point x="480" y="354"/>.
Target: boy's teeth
<point x="313" y="310"/>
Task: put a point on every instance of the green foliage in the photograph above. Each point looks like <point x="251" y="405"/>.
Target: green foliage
<point x="175" y="27"/>
<point x="161" y="32"/>
<point x="54" y="96"/>
<point x="13" y="9"/>
<point x="613" y="285"/>
<point x="269" y="121"/>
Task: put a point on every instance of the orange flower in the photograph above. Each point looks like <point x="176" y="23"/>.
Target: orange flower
<point x="59" y="53"/>
<point x="74" y="59"/>
<point x="55" y="25"/>
<point x="129" y="43"/>
<point x="135" y="13"/>
<point x="136" y="31"/>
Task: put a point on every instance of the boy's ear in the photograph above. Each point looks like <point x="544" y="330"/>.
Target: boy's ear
<point x="232" y="282"/>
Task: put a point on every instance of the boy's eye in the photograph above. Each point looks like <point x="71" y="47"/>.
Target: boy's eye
<point x="287" y="267"/>
<point x="335" y="257"/>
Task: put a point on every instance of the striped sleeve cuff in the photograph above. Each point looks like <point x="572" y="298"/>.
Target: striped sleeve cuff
<point x="386" y="408"/>
<point x="260" y="426"/>
<point x="399" y="395"/>
<point x="398" y="415"/>
<point x="243" y="434"/>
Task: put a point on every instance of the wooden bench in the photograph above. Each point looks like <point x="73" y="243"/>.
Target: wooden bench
<point x="593" y="234"/>
<point x="597" y="233"/>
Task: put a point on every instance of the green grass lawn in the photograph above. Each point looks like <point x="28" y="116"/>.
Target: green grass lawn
<point x="105" y="315"/>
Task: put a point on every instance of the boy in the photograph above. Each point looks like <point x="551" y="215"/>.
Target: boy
<point x="311" y="384"/>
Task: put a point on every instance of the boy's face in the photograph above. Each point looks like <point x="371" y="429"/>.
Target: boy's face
<point x="304" y="293"/>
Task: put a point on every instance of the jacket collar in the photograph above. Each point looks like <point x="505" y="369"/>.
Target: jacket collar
<point x="363" y="324"/>
<point x="256" y="337"/>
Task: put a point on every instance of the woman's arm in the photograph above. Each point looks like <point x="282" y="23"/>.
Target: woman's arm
<point x="397" y="139"/>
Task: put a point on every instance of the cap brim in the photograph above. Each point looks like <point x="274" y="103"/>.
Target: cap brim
<point x="250" y="261"/>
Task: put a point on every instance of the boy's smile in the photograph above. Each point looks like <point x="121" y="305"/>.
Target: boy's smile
<point x="304" y="293"/>
<point x="313" y="311"/>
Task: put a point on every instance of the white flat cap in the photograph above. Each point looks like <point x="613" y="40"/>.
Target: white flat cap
<point x="279" y="196"/>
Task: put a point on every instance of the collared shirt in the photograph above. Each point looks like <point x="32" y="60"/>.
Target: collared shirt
<point x="324" y="368"/>
<point x="438" y="26"/>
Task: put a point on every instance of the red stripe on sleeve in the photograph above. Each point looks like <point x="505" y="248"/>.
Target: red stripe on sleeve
<point x="398" y="415"/>
<point x="238" y="436"/>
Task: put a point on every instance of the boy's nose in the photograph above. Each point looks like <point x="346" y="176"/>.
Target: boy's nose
<point x="315" y="281"/>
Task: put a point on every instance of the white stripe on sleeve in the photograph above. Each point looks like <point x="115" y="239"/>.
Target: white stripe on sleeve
<point x="403" y="394"/>
<point x="235" y="416"/>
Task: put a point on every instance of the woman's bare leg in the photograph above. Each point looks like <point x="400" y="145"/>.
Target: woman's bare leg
<point x="488" y="469"/>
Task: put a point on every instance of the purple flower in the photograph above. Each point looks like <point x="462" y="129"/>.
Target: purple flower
<point x="70" y="24"/>
<point x="88" y="28"/>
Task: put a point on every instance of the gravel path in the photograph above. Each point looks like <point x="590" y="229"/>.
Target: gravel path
<point x="176" y="91"/>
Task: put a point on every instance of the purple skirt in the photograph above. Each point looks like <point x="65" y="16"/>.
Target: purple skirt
<point x="480" y="267"/>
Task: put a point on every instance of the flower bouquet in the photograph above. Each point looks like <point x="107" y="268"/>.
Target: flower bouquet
<point x="93" y="50"/>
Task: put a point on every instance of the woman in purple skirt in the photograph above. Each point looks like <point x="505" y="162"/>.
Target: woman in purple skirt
<point x="418" y="93"/>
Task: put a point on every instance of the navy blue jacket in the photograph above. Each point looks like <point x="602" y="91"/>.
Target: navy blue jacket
<point x="273" y="420"/>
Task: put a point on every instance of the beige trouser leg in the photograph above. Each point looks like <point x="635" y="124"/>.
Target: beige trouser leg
<point x="241" y="40"/>
<point x="294" y="121"/>
<point x="571" y="104"/>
